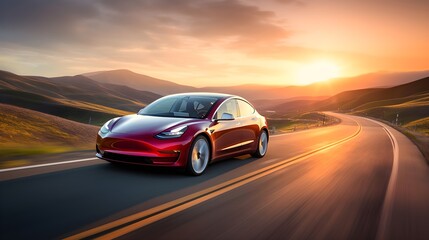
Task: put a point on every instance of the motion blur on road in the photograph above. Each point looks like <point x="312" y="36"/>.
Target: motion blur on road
<point x="355" y="180"/>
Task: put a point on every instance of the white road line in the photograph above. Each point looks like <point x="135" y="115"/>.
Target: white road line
<point x="47" y="164"/>
<point x="386" y="212"/>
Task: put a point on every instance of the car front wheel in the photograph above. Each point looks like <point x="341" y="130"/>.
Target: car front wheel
<point x="199" y="156"/>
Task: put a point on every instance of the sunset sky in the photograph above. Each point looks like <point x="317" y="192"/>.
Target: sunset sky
<point x="209" y="43"/>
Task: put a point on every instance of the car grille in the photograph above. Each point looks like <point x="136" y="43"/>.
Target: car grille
<point x="127" y="158"/>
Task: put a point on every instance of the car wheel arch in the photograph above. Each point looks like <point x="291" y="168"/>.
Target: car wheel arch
<point x="209" y="140"/>
<point x="268" y="133"/>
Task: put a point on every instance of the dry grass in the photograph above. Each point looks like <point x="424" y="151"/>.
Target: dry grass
<point x="419" y="139"/>
<point x="93" y="107"/>
<point x="413" y="114"/>
<point x="28" y="132"/>
<point x="420" y="125"/>
<point x="301" y="122"/>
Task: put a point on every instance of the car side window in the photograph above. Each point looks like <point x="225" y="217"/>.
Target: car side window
<point x="230" y="106"/>
<point x="245" y="108"/>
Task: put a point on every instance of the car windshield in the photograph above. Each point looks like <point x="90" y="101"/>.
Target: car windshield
<point x="180" y="106"/>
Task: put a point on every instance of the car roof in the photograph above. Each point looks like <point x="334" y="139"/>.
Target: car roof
<point x="205" y="94"/>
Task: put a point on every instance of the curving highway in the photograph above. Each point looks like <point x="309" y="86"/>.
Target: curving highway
<point x="359" y="179"/>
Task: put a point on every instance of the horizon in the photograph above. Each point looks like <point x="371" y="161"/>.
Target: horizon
<point x="327" y="82"/>
<point x="215" y="43"/>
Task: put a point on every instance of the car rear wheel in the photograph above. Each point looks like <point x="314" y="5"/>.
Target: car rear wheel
<point x="199" y="156"/>
<point x="262" y="145"/>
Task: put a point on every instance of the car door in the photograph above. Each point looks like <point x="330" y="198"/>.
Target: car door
<point x="226" y="133"/>
<point x="249" y="124"/>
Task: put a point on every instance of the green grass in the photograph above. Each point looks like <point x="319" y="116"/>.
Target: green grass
<point x="395" y="101"/>
<point x="419" y="125"/>
<point x="410" y="112"/>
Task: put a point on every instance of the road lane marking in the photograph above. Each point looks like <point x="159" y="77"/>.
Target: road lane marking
<point x="47" y="164"/>
<point x="387" y="209"/>
<point x="133" y="222"/>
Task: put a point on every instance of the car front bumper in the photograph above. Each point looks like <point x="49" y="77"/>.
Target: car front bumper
<point x="143" y="150"/>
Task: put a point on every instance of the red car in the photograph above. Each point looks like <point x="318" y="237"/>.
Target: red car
<point x="186" y="130"/>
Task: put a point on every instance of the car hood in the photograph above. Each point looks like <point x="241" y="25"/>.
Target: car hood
<point x="141" y="124"/>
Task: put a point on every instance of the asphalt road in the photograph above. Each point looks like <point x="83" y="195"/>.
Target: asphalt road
<point x="355" y="180"/>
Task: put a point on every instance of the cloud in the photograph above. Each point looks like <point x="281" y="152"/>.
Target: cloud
<point x="149" y="23"/>
<point x="153" y="35"/>
<point x="42" y="22"/>
<point x="298" y="2"/>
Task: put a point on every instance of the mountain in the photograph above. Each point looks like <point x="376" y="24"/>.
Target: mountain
<point x="139" y="81"/>
<point x="327" y="88"/>
<point x="258" y="92"/>
<point x="77" y="98"/>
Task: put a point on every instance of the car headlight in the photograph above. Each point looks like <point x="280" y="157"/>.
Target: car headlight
<point x="173" y="133"/>
<point x="108" y="126"/>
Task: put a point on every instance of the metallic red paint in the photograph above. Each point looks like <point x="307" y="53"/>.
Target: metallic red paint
<point x="133" y="138"/>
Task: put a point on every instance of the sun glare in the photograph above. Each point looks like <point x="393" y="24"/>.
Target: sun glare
<point x="317" y="72"/>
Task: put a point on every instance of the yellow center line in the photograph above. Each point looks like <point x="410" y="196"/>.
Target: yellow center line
<point x="167" y="209"/>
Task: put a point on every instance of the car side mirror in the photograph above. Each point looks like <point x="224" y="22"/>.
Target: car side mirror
<point x="226" y="117"/>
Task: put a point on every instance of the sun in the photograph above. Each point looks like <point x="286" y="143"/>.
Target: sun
<point x="317" y="72"/>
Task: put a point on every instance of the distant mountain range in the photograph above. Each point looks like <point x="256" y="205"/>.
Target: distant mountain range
<point x="260" y="92"/>
<point x="138" y="81"/>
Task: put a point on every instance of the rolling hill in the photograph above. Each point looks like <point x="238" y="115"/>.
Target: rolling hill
<point x="24" y="131"/>
<point x="366" y="98"/>
<point x="75" y="97"/>
<point x="410" y="101"/>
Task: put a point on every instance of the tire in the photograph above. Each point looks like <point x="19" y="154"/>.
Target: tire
<point x="199" y="156"/>
<point x="262" y="148"/>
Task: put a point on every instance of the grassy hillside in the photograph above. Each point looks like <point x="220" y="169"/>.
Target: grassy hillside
<point x="76" y="98"/>
<point x="27" y="132"/>
<point x="420" y="125"/>
<point x="410" y="114"/>
<point x="300" y="122"/>
<point x="410" y="102"/>
<point x="352" y="100"/>
<point x="72" y="110"/>
<point x="406" y="105"/>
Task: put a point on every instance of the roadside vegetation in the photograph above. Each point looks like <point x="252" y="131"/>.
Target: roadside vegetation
<point x="26" y="132"/>
<point x="291" y="123"/>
